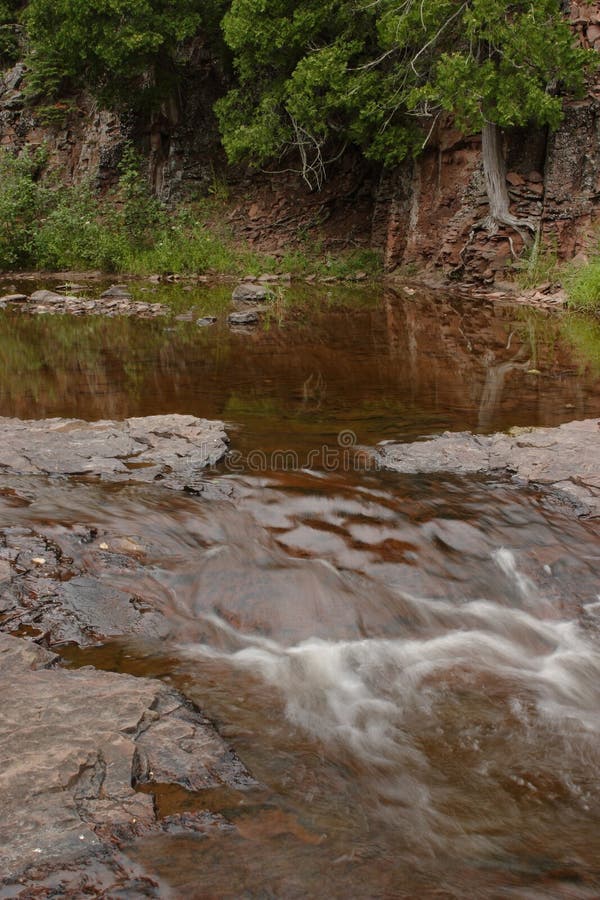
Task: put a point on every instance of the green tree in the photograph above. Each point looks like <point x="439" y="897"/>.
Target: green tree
<point x="121" y="49"/>
<point x="9" y="41"/>
<point x="315" y="75"/>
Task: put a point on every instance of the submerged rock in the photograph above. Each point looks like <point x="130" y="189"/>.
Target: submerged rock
<point x="117" y="291"/>
<point x="170" y="449"/>
<point x="75" y="744"/>
<point x="565" y="460"/>
<point x="243" y="318"/>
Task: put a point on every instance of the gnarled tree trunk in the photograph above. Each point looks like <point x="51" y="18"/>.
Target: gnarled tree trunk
<point x="494" y="170"/>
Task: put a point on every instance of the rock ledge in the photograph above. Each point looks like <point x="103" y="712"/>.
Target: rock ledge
<point x="171" y="450"/>
<point x="565" y="460"/>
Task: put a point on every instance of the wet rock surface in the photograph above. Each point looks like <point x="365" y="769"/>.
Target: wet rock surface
<point x="243" y="319"/>
<point x="170" y="449"/>
<point x="73" y="747"/>
<point x="116" y="301"/>
<point x="564" y="460"/>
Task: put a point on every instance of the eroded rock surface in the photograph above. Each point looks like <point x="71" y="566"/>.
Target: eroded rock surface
<point x="170" y="449"/>
<point x="565" y="460"/>
<point x="73" y="747"/>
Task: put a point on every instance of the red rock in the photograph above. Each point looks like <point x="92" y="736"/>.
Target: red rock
<point x="515" y="179"/>
<point x="535" y="178"/>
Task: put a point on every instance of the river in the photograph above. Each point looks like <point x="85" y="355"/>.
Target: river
<point x="408" y="665"/>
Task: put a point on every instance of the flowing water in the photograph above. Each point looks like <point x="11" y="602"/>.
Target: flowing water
<point x="408" y="665"/>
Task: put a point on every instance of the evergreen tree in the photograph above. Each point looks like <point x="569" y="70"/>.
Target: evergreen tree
<point x="315" y="75"/>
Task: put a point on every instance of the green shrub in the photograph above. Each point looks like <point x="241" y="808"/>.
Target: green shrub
<point x="73" y="235"/>
<point x="583" y="286"/>
<point x="50" y="226"/>
<point x="23" y="201"/>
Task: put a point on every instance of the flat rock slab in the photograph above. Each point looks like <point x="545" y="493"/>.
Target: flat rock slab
<point x="565" y="460"/>
<point x="172" y="450"/>
<point x="75" y="744"/>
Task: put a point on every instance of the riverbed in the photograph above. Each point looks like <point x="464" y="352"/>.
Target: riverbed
<point x="408" y="665"/>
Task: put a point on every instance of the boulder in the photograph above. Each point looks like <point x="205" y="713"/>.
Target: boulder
<point x="48" y="297"/>
<point x="249" y="292"/>
<point x="120" y="291"/>
<point x="14" y="298"/>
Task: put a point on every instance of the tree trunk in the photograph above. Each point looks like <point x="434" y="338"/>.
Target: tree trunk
<point x="494" y="170"/>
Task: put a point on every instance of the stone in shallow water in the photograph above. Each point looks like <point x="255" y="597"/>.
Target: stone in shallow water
<point x="250" y="293"/>
<point x="14" y="298"/>
<point x="46" y="298"/>
<point x="243" y="318"/>
<point x="117" y="291"/>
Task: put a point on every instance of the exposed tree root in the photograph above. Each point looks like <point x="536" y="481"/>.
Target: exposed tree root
<point x="494" y="171"/>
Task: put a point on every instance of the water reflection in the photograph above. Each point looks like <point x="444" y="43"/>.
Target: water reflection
<point x="389" y="366"/>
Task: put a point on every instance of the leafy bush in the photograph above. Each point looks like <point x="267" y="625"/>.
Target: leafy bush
<point x="50" y="226"/>
<point x="583" y="286"/>
<point x="23" y="200"/>
<point x="73" y="234"/>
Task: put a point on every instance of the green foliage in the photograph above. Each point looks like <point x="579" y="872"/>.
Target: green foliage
<point x="510" y="61"/>
<point x="22" y="201"/>
<point x="72" y="235"/>
<point x="55" y="114"/>
<point x="583" y="286"/>
<point x="116" y="47"/>
<point x="185" y="246"/>
<point x="9" y="46"/>
<point x="539" y="265"/>
<point x="9" y="42"/>
<point x="322" y="73"/>
<point x="49" y="226"/>
<point x="141" y="214"/>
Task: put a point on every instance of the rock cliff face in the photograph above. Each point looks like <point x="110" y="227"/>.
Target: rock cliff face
<point x="421" y="215"/>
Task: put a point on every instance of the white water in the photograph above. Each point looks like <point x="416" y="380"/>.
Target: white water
<point x="417" y="713"/>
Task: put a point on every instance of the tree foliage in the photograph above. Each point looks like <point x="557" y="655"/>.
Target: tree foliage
<point x="119" y="48"/>
<point x="9" y="43"/>
<point x="314" y="75"/>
